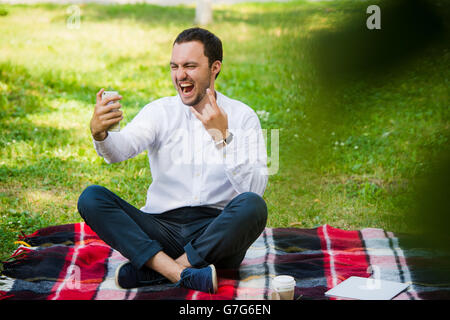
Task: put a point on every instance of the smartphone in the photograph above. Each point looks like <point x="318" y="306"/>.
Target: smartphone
<point x="114" y="127"/>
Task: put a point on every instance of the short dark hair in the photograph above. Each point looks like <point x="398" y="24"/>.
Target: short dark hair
<point x="211" y="43"/>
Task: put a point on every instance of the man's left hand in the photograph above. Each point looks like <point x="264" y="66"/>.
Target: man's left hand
<point x="213" y="117"/>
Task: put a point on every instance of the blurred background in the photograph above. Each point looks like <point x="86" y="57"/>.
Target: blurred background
<point x="362" y="114"/>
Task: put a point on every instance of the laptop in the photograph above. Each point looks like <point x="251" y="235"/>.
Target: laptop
<point x="366" y="289"/>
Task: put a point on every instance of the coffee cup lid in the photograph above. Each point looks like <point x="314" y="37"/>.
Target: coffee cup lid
<point x="283" y="281"/>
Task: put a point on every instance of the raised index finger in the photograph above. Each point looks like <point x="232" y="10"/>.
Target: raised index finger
<point x="197" y="114"/>
<point x="212" y="99"/>
<point x="99" y="95"/>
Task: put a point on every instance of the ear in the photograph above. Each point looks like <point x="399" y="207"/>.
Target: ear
<point x="216" y="67"/>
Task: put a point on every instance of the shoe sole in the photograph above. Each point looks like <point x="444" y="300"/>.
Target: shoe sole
<point x="214" y="278"/>
<point x="116" y="275"/>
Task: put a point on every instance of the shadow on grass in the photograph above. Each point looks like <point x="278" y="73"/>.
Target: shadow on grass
<point x="264" y="15"/>
<point x="148" y="14"/>
<point x="353" y="66"/>
<point x="26" y="91"/>
<point x="26" y="94"/>
<point x="22" y="130"/>
<point x="20" y="93"/>
<point x="352" y="52"/>
<point x="47" y="171"/>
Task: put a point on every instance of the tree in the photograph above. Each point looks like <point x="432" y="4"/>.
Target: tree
<point x="203" y="12"/>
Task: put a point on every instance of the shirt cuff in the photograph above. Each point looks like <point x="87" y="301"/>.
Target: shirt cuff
<point x="104" y="147"/>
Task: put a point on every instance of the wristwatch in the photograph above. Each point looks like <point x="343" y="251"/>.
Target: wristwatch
<point x="225" y="141"/>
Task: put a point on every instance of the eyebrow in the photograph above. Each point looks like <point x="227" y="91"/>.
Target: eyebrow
<point x="186" y="63"/>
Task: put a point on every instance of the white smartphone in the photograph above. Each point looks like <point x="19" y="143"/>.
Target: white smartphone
<point x="114" y="127"/>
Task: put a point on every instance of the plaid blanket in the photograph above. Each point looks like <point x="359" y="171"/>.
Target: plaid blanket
<point x="71" y="262"/>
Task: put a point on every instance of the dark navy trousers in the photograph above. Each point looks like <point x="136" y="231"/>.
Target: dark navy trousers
<point x="207" y="235"/>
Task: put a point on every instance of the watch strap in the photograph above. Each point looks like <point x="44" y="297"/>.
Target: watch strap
<point x="225" y="141"/>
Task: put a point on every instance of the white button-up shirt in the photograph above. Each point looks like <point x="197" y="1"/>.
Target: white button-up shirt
<point x="187" y="167"/>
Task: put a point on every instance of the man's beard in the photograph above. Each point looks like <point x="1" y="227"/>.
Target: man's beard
<point x="201" y="92"/>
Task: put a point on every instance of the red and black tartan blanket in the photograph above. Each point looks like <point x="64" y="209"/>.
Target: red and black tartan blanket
<point x="71" y="262"/>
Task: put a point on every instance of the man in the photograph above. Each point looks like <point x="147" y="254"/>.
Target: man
<point x="207" y="158"/>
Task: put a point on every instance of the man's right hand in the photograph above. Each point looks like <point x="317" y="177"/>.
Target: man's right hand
<point x="103" y="116"/>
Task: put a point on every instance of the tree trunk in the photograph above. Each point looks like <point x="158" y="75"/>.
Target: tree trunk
<point x="203" y="12"/>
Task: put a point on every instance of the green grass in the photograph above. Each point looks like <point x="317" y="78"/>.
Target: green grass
<point x="350" y="166"/>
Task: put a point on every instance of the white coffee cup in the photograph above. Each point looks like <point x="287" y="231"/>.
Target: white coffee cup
<point x="284" y="286"/>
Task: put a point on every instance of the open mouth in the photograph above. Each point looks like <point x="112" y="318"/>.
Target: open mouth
<point x="186" y="88"/>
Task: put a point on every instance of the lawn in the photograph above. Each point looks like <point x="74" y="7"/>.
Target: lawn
<point x="349" y="154"/>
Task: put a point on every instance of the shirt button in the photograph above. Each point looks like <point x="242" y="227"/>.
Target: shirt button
<point x="197" y="174"/>
<point x="195" y="198"/>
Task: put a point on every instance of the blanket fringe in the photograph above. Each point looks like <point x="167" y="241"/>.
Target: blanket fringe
<point x="23" y="243"/>
<point x="19" y="254"/>
<point x="25" y="236"/>
<point x="4" y="295"/>
<point x="18" y="258"/>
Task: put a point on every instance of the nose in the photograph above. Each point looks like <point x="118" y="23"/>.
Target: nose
<point x="181" y="74"/>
